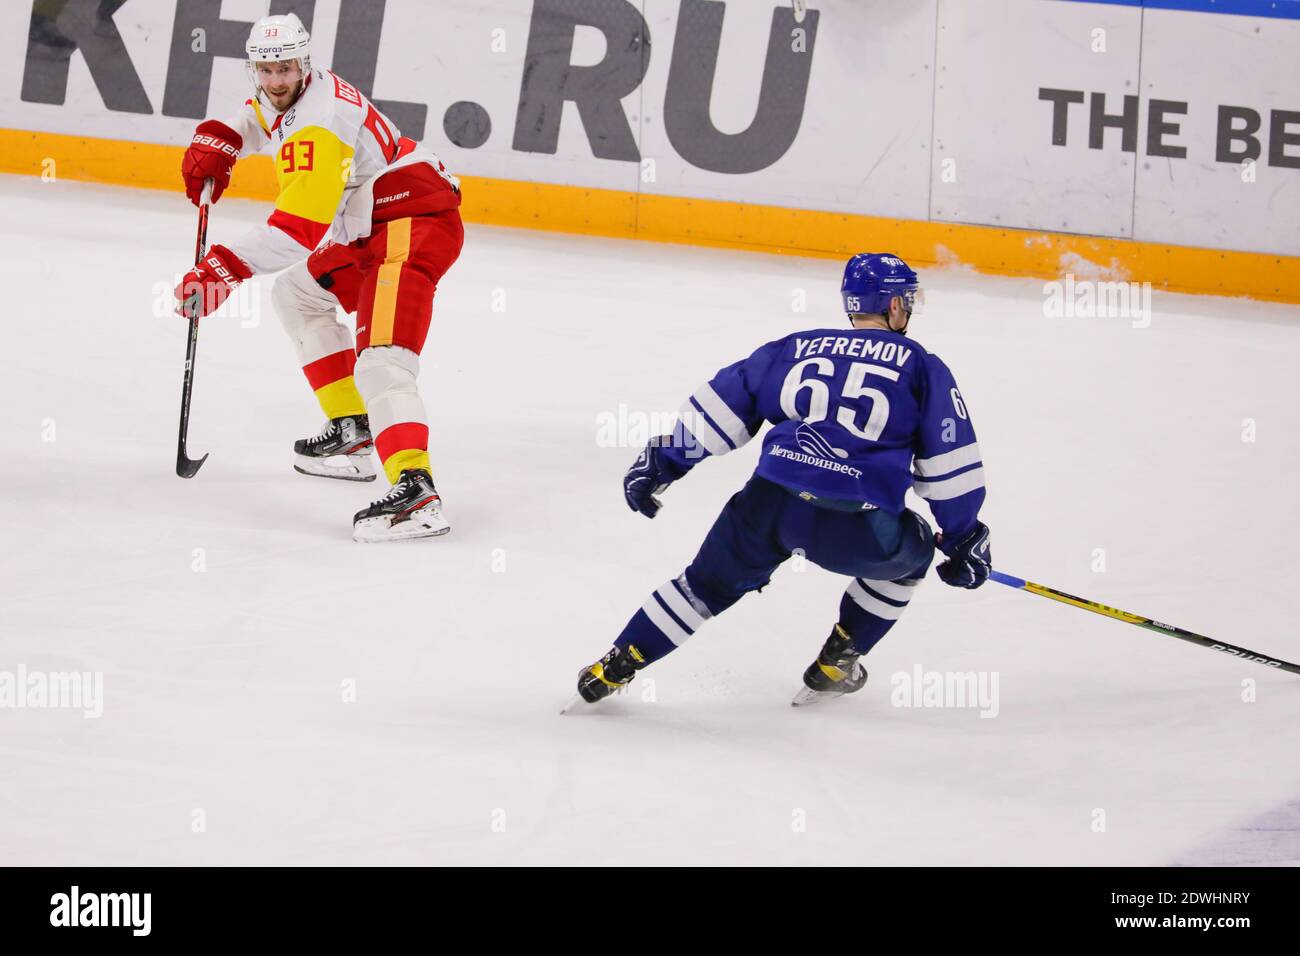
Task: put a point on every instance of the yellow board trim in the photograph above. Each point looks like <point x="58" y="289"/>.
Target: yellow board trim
<point x="341" y="398"/>
<point x="629" y="215"/>
<point x="398" y="249"/>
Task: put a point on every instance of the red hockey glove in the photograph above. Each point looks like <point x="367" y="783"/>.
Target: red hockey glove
<point x="212" y="154"/>
<point x="209" y="283"/>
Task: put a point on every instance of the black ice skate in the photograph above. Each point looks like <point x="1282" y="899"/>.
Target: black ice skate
<point x="341" y="450"/>
<point x="609" y="675"/>
<point x="835" y="672"/>
<point x="412" y="509"/>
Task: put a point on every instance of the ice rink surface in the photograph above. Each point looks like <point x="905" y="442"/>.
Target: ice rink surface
<point x="233" y="618"/>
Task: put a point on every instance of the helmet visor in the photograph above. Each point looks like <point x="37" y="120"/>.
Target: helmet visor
<point x="913" y="300"/>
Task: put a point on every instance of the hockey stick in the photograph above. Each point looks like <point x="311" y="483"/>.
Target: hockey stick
<point x="1166" y="629"/>
<point x="186" y="466"/>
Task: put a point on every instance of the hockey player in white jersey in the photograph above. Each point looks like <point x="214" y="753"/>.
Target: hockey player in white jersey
<point x="390" y="212"/>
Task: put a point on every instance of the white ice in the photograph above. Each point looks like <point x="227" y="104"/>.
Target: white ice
<point x="229" y="615"/>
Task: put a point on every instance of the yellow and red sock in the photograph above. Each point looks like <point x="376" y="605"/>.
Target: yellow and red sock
<point x="401" y="446"/>
<point x="331" y="379"/>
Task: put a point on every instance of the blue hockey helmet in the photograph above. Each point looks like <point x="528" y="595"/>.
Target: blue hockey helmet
<point x="872" y="279"/>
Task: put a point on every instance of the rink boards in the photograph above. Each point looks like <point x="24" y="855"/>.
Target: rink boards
<point x="1150" y="143"/>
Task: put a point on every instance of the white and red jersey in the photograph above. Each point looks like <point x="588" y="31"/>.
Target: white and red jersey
<point x="330" y="149"/>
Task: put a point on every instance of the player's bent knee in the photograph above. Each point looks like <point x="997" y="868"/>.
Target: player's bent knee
<point x="286" y="306"/>
<point x="300" y="302"/>
<point x="716" y="590"/>
<point x="918" y="543"/>
<point x="384" y="369"/>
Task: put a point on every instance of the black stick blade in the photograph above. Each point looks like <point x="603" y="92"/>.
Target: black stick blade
<point x="187" y="467"/>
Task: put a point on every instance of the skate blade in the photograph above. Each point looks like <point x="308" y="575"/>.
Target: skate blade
<point x="425" y="523"/>
<point x="357" y="467"/>
<point x="578" y="699"/>
<point x="807" y="696"/>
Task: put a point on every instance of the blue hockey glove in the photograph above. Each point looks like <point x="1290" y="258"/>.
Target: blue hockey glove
<point x="969" y="558"/>
<point x="647" y="477"/>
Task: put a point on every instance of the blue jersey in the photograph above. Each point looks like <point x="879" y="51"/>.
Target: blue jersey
<point x="859" y="416"/>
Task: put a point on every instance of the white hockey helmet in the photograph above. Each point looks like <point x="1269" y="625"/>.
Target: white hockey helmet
<point x="277" y="39"/>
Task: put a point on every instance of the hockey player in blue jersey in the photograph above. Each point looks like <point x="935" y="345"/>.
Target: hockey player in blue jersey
<point x="859" y="415"/>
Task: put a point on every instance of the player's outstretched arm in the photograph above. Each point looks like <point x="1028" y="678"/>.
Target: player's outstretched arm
<point x="212" y="154"/>
<point x="720" y="416"/>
